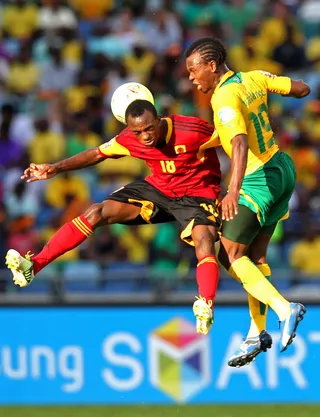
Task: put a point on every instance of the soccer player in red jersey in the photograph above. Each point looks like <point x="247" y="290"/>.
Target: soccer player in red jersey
<point x="184" y="186"/>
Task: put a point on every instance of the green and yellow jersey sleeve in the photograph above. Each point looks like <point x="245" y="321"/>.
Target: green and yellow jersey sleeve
<point x="240" y="106"/>
<point x="272" y="83"/>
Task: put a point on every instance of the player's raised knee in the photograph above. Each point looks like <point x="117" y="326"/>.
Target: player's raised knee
<point x="94" y="214"/>
<point x="110" y="212"/>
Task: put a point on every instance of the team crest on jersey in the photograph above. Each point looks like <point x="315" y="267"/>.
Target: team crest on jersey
<point x="108" y="144"/>
<point x="226" y="114"/>
<point x="180" y="149"/>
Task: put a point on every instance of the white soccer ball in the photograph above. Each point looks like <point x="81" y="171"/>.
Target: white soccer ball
<point x="125" y="95"/>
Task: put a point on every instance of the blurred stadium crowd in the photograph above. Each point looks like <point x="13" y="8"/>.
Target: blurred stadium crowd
<point x="60" y="62"/>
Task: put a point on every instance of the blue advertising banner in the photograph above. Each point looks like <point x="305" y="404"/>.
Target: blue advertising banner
<point x="148" y="355"/>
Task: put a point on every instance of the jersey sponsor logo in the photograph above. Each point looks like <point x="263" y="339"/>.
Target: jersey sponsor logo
<point x="226" y="114"/>
<point x="108" y="144"/>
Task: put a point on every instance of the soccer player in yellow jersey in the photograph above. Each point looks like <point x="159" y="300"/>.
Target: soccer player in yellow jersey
<point x="261" y="184"/>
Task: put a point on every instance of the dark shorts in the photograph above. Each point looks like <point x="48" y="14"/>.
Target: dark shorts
<point x="156" y="207"/>
<point x="245" y="227"/>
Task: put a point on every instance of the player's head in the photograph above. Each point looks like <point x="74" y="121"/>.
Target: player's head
<point x="143" y="121"/>
<point x="205" y="60"/>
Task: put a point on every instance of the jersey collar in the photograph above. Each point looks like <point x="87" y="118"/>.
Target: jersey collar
<point x="225" y="77"/>
<point x="170" y="127"/>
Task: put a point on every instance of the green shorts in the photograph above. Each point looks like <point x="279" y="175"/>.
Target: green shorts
<point x="266" y="192"/>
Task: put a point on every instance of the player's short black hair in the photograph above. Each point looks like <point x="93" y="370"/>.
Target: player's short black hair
<point x="210" y="49"/>
<point x="138" y="107"/>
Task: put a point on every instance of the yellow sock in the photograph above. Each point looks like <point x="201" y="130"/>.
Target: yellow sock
<point x="255" y="283"/>
<point x="258" y="311"/>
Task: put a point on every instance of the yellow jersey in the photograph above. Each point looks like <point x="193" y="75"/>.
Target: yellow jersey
<point x="239" y="104"/>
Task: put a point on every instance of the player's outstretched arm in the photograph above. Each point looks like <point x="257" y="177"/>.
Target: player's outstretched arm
<point x="299" y="89"/>
<point x="36" y="172"/>
<point x="283" y="85"/>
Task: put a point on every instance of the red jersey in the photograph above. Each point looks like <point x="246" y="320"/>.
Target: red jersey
<point x="187" y="165"/>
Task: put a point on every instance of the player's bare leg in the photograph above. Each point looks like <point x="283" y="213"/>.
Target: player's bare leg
<point x="204" y="238"/>
<point x="69" y="236"/>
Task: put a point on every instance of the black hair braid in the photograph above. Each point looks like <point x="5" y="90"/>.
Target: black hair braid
<point x="210" y="49"/>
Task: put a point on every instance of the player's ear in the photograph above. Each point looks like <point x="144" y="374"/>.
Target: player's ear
<point x="213" y="66"/>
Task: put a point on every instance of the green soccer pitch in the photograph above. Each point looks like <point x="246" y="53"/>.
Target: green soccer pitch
<point x="166" y="411"/>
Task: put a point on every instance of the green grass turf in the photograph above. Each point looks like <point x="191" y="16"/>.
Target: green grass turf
<point x="166" y="411"/>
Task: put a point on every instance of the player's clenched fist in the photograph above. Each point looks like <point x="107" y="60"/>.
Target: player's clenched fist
<point x="36" y="172"/>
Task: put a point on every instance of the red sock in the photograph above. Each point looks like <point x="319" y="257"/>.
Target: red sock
<point x="208" y="277"/>
<point x="69" y="236"/>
